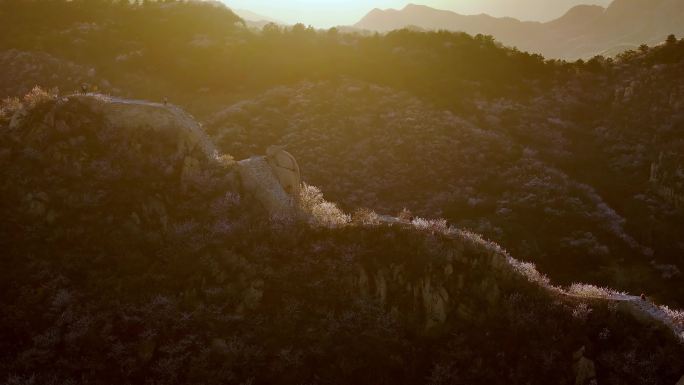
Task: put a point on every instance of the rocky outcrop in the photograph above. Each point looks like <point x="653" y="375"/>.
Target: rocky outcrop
<point x="133" y="116"/>
<point x="286" y="169"/>
<point x="142" y="115"/>
<point x="259" y="179"/>
<point x="441" y="292"/>
<point x="264" y="179"/>
<point x="136" y="117"/>
<point x="274" y="180"/>
<point x="664" y="176"/>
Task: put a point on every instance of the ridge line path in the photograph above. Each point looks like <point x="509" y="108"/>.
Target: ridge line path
<point x="180" y="114"/>
<point x="642" y="309"/>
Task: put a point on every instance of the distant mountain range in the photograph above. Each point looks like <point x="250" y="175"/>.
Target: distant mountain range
<point x="584" y="31"/>
<point x="248" y="15"/>
<point x="255" y="20"/>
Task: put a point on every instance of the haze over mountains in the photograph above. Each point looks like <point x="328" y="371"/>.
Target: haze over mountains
<point x="254" y="19"/>
<point x="253" y="16"/>
<point x="326" y="14"/>
<point x="584" y="31"/>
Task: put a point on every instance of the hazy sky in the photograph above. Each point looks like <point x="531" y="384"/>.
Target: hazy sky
<point x="326" y="13"/>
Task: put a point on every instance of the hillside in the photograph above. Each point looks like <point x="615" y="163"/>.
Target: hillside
<point x="505" y="169"/>
<point x="584" y="31"/>
<point x="23" y="70"/>
<point x="142" y="59"/>
<point x="553" y="161"/>
<point x="124" y="263"/>
<point x="142" y="246"/>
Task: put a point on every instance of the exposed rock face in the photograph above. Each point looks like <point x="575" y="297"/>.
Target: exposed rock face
<point x="264" y="178"/>
<point x="139" y="118"/>
<point x="435" y="301"/>
<point x="136" y="115"/>
<point x="666" y="178"/>
<point x="258" y="178"/>
<point x="440" y="292"/>
<point x="274" y="179"/>
<point x="110" y="136"/>
<point x="285" y="167"/>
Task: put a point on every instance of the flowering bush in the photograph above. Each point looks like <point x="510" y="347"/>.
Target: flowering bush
<point x="321" y="212"/>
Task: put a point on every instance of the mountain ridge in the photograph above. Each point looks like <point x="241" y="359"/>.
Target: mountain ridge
<point x="253" y="17"/>
<point x="133" y="253"/>
<point x="222" y="276"/>
<point x="582" y="32"/>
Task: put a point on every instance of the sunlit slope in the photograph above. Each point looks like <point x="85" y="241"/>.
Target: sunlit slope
<point x="501" y="169"/>
<point x="182" y="50"/>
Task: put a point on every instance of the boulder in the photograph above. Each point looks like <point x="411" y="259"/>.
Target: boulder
<point x="435" y="303"/>
<point x="286" y="169"/>
<point x="259" y="179"/>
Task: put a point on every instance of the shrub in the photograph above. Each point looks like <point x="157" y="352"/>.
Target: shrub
<point x="591" y="291"/>
<point x="529" y="271"/>
<point x="321" y="212"/>
<point x="434" y="225"/>
<point x="676" y="315"/>
<point x="365" y="217"/>
<point x="38" y="96"/>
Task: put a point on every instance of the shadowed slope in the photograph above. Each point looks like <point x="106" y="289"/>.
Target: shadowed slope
<point x="118" y="267"/>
